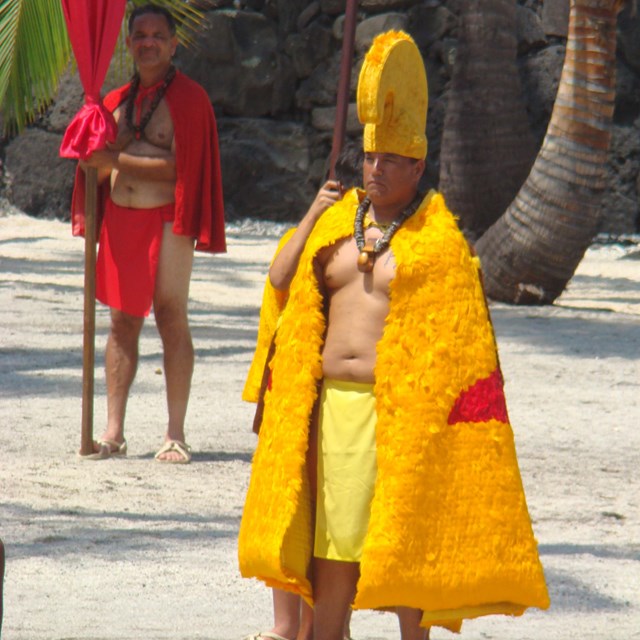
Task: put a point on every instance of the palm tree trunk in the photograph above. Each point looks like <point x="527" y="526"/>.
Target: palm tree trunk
<point x="530" y="254"/>
<point x="487" y="146"/>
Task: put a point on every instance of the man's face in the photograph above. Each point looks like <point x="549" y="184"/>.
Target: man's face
<point x="390" y="179"/>
<point x="150" y="41"/>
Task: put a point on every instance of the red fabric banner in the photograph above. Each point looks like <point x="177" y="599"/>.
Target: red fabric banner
<point x="93" y="27"/>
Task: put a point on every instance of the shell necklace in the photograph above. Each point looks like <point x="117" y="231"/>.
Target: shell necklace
<point x="370" y="250"/>
<point x="137" y="95"/>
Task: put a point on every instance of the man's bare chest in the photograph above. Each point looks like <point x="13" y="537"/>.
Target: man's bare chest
<point x="340" y="266"/>
<point x="158" y="131"/>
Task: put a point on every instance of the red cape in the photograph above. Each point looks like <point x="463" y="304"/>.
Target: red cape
<point x="198" y="194"/>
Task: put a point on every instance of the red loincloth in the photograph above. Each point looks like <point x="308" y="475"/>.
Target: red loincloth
<point x="130" y="241"/>
<point x="198" y="195"/>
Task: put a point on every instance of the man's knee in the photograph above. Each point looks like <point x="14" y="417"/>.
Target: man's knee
<point x="170" y="316"/>
<point x="334" y="587"/>
<point x="125" y="328"/>
<point x="335" y="577"/>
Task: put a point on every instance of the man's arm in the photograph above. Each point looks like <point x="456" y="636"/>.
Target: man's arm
<point x="103" y="172"/>
<point x="285" y="264"/>
<point x="161" y="168"/>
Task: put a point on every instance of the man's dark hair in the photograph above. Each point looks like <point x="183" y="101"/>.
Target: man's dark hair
<point x="155" y="9"/>
<point x="348" y="167"/>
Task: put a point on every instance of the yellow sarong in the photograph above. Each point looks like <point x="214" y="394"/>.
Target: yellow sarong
<point x="346" y="469"/>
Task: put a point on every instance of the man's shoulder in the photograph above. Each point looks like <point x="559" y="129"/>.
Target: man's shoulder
<point x="432" y="232"/>
<point x="345" y="208"/>
<point x="432" y="213"/>
<point x="115" y="97"/>
<point x="337" y="220"/>
<point x="182" y="84"/>
<point x="189" y="104"/>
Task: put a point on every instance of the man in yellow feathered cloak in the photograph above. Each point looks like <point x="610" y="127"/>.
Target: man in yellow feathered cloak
<point x="416" y="503"/>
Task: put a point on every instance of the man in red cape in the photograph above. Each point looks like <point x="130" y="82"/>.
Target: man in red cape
<point x="161" y="193"/>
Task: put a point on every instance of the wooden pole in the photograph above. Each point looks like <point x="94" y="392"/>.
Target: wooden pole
<point x="342" y="101"/>
<point x="88" y="347"/>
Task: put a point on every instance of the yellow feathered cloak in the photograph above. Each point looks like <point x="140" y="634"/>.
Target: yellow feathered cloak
<point x="449" y="531"/>
<point x="273" y="302"/>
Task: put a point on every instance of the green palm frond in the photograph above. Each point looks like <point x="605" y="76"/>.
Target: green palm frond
<point x="35" y="51"/>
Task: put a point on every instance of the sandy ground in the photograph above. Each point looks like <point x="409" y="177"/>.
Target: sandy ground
<point x="132" y="549"/>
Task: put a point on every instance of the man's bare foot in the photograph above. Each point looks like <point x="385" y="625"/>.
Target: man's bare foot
<point x="265" y="635"/>
<point x="105" y="448"/>
<point x="174" y="452"/>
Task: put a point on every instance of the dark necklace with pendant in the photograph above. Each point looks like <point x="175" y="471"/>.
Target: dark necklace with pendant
<point x="370" y="250"/>
<point x="138" y="129"/>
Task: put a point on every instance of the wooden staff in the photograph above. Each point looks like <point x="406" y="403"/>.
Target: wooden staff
<point x="342" y="102"/>
<point x="89" y="331"/>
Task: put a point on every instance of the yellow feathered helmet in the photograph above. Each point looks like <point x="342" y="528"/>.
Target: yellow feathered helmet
<point x="393" y="97"/>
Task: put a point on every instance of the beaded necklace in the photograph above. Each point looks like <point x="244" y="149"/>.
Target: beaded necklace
<point x="370" y="250"/>
<point x="138" y="129"/>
